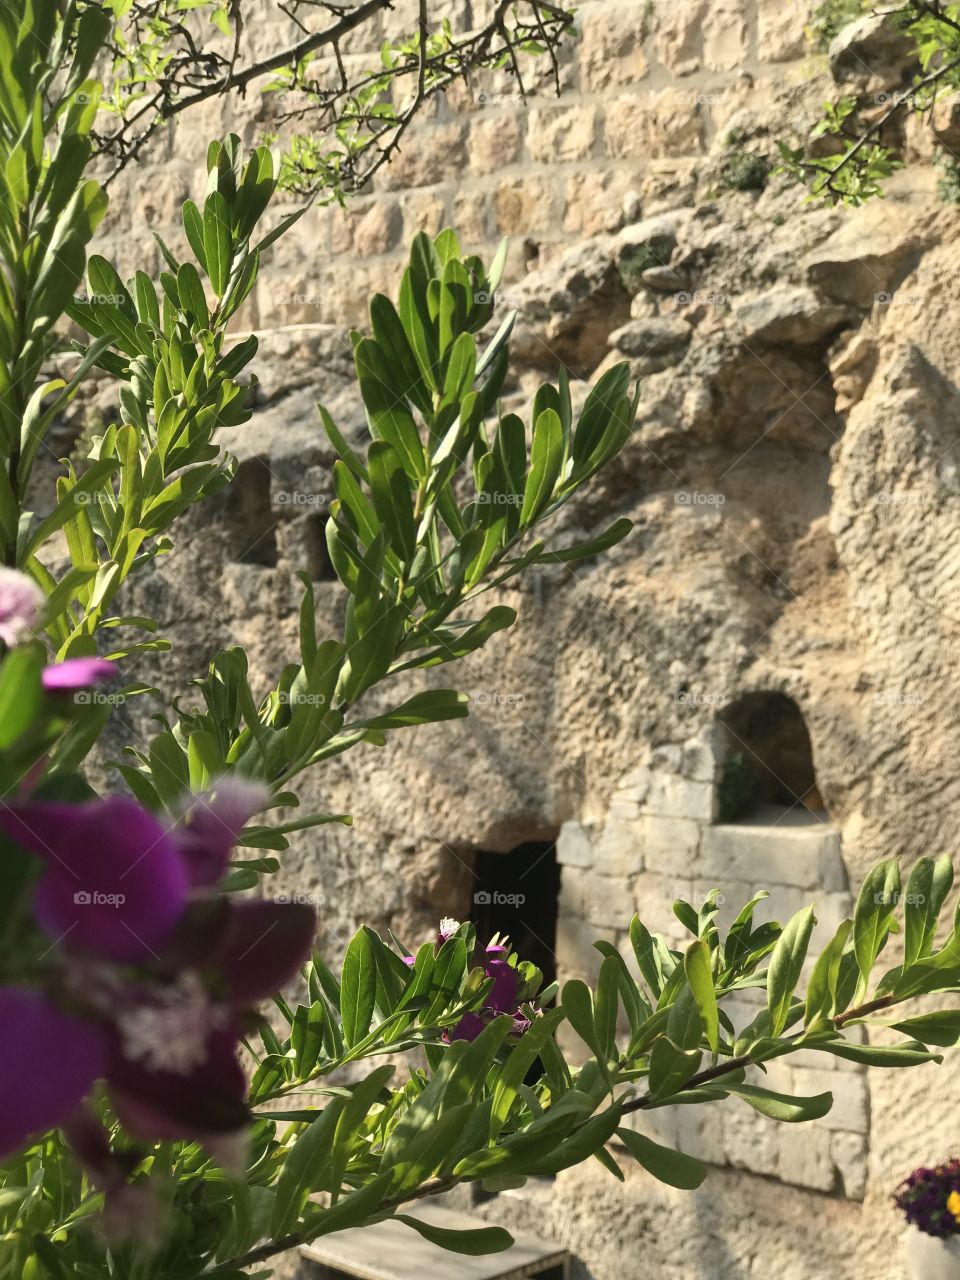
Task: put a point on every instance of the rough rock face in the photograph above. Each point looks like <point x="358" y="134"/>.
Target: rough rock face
<point x="794" y="483"/>
<point x="797" y="504"/>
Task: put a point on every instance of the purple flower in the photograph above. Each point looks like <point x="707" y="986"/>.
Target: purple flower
<point x="114" y="882"/>
<point x="923" y="1197"/>
<point x="503" y="997"/>
<point x="210" y="824"/>
<point x="158" y="975"/>
<point x="49" y="1061"/>
<point x="20" y="601"/>
<point x="77" y="673"/>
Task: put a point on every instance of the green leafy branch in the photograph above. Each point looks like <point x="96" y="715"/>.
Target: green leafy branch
<point x="444" y="506"/>
<point x="370" y="1149"/>
<point x="861" y="163"/>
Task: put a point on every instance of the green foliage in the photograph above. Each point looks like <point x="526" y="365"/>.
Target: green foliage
<point x="335" y="130"/>
<point x="737" y="790"/>
<point x="502" y="1107"/>
<point x="830" y="17"/>
<point x="948" y="184"/>
<point x="447" y="502"/>
<point x="743" y="170"/>
<point x="445" y="505"/>
<point x="863" y="158"/>
<point x="638" y="258"/>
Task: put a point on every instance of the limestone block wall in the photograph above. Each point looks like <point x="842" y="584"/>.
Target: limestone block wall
<point x="647" y="85"/>
<point x="659" y="842"/>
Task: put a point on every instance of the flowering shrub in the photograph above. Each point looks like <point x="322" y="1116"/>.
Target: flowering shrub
<point x="153" y="1120"/>
<point x="930" y="1198"/>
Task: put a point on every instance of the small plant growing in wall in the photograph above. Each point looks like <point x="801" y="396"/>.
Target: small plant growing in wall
<point x="743" y="170"/>
<point x="737" y="788"/>
<point x="636" y="259"/>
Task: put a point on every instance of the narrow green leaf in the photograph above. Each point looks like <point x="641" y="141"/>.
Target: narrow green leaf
<point x="217" y="241"/>
<point x="475" y="1243"/>
<point x="699" y="973"/>
<point x="786" y="964"/>
<point x="669" y="1166"/>
<point x="358" y="987"/>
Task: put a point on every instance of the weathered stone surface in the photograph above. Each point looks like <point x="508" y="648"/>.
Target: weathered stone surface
<point x="849" y="1111"/>
<point x="574" y="845"/>
<point x="664" y="279"/>
<point x="827" y="572"/>
<point x="576" y="953"/>
<point x="804" y="1156"/>
<point x="593" y="200"/>
<point x="662" y="122"/>
<point x="848" y="1151"/>
<point x="781" y="27"/>
<point x="494" y="140"/>
<point x="435" y="155"/>
<point x="869" y="253"/>
<point x="678" y="35"/>
<point x="424" y="211"/>
<point x="611" y="44"/>
<point x="523" y="205"/>
<point x="368" y="229"/>
<point x="619" y="849"/>
<point x="651" y="337"/>
<point x="674" y="797"/>
<point x="669" y="844"/>
<point x="787" y="855"/>
<point x="560" y="133"/>
<point x="945" y="121"/>
<point x="789" y="315"/>
<point x="871" y="49"/>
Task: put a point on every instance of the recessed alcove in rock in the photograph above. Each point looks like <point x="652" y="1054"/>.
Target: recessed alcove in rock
<point x="766" y="759"/>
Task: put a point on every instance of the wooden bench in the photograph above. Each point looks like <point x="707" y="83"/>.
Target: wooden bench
<point x="392" y="1251"/>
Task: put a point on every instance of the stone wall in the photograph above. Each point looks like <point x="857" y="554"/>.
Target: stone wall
<point x="646" y="86"/>
<point x="659" y="843"/>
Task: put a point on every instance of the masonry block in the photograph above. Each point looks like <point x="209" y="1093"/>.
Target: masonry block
<point x="576" y="953"/>
<point x="749" y="1139"/>
<point x="700" y="1132"/>
<point x="698" y="761"/>
<point x="768" y="852"/>
<point x="804" y="1156"/>
<point x="848" y="1151"/>
<point x="672" y="796"/>
<point x="654" y="896"/>
<point x="619" y="847"/>
<point x="574" y="845"/>
<point x="557" y="134"/>
<point x="849" y="1089"/>
<point x="611" y="44"/>
<point x="669" y="844"/>
<point x="575" y="888"/>
<point x="610" y="901"/>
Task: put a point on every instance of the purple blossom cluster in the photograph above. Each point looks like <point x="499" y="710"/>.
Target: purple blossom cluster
<point x="923" y="1197"/>
<point x="507" y="994"/>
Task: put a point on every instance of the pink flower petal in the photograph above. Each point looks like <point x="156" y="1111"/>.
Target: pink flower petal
<point x="198" y="1104"/>
<point x="20" y="601"/>
<point x="262" y="947"/>
<point x="77" y="673"/>
<point x="115" y="884"/>
<point x="49" y="1062"/>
